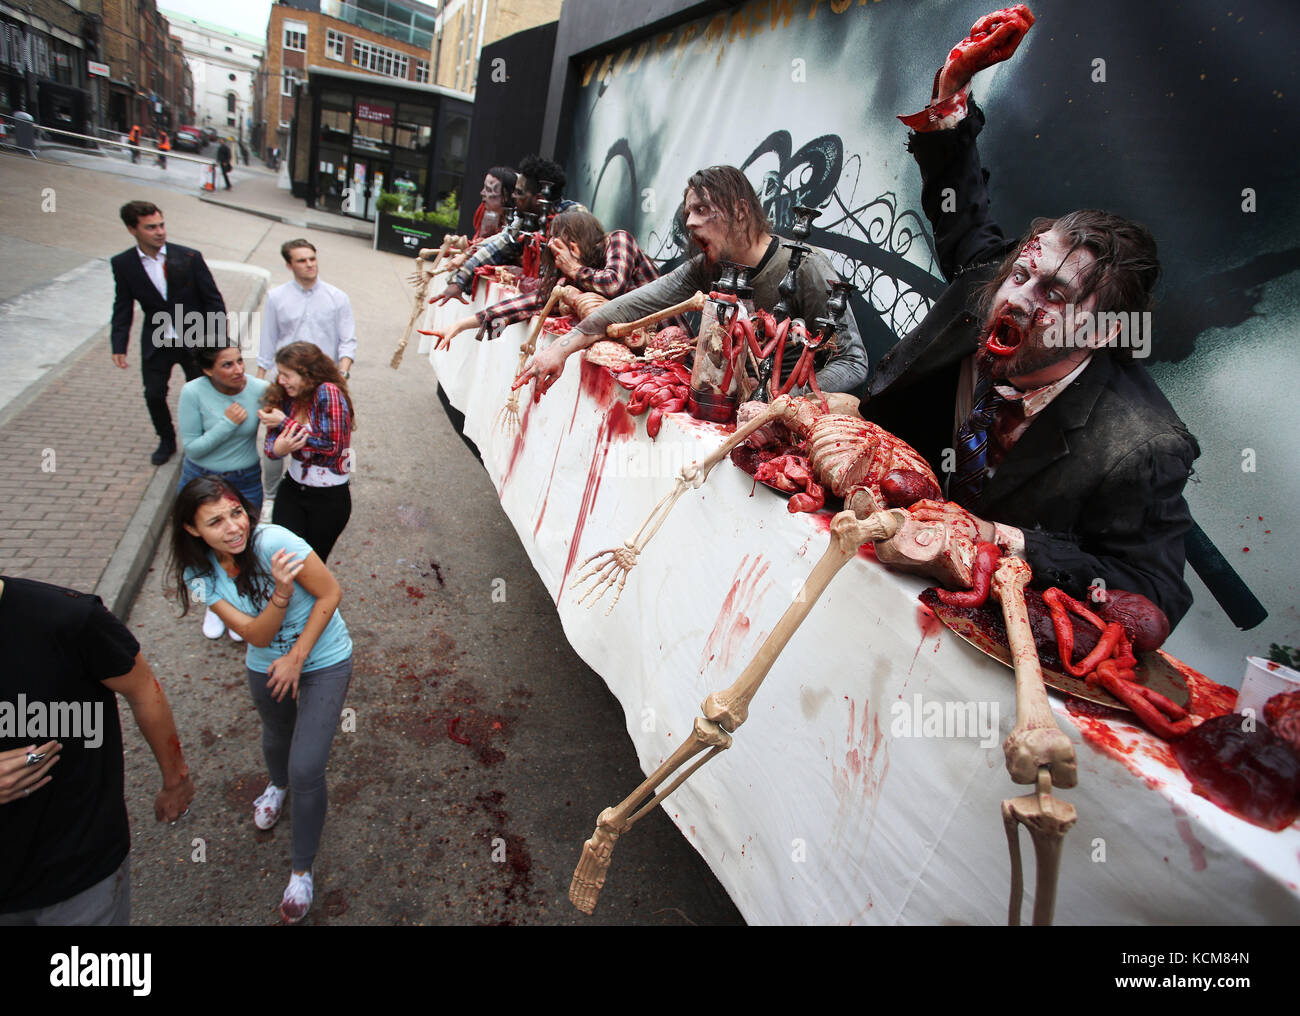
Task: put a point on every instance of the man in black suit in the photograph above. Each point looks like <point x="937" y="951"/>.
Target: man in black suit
<point x="1017" y="385"/>
<point x="172" y="284"/>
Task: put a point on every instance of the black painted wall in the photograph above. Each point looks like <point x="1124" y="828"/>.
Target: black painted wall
<point x="507" y="117"/>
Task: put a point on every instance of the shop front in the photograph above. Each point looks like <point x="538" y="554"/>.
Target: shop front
<point x="366" y="137"/>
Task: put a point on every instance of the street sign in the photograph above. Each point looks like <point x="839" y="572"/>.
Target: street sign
<point x="97" y="69"/>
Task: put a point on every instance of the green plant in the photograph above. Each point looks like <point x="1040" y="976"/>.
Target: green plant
<point x="1288" y="656"/>
<point x="390" y="203"/>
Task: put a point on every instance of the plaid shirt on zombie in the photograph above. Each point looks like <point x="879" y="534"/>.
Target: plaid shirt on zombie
<point x="626" y="268"/>
<point x="330" y="422"/>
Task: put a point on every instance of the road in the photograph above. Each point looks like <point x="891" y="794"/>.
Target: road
<point x="422" y="829"/>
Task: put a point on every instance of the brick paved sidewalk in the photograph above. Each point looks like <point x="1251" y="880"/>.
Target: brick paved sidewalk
<point x="75" y="469"/>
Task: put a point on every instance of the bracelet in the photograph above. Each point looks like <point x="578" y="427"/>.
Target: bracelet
<point x="278" y="603"/>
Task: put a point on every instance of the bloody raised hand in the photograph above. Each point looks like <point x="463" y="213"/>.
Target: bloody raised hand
<point x="993" y="38"/>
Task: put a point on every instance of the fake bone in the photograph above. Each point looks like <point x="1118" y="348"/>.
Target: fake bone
<point x="507" y="419"/>
<point x="846" y="453"/>
<point x="421" y="277"/>
<point x="1036" y="750"/>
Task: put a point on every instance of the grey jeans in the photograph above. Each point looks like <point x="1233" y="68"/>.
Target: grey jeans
<point x="105" y="904"/>
<point x="296" y="739"/>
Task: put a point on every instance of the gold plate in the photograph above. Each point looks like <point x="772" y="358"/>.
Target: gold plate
<point x="1152" y="670"/>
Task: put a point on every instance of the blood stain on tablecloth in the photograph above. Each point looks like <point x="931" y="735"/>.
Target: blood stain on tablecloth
<point x="1195" y="848"/>
<point x="858" y="781"/>
<point x="732" y="624"/>
<point x="617" y="424"/>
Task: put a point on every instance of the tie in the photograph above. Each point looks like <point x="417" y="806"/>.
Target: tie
<point x="967" y="480"/>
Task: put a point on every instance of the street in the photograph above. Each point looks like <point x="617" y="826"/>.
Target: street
<point x="455" y="638"/>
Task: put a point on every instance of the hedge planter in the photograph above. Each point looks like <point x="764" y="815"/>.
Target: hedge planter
<point x="398" y="234"/>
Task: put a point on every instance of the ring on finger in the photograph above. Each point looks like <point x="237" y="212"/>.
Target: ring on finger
<point x="35" y="758"/>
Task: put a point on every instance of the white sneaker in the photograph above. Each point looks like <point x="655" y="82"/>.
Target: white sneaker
<point x="213" y="626"/>
<point x="297" y="898"/>
<point x="266" y="809"/>
<point x="234" y="635"/>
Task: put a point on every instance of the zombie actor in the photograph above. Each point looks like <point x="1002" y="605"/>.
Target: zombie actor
<point x="1045" y="427"/>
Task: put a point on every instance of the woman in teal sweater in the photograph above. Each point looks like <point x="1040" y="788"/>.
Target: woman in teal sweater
<point x="218" y="426"/>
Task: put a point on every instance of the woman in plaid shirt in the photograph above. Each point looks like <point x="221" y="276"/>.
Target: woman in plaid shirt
<point x="579" y="252"/>
<point x="308" y="416"/>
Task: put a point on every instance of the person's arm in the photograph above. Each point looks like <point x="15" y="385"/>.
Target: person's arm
<point x="547" y="364"/>
<point x="270" y="336"/>
<point x="495" y="250"/>
<point x="611" y="280"/>
<point x="331" y="423"/>
<point x="347" y="334"/>
<point x="283" y="674"/>
<point x="260" y="631"/>
<point x="205" y="285"/>
<point x="153" y="715"/>
<point x="123" y="313"/>
<point x="1134" y="538"/>
<point x="506" y="312"/>
<point x="954" y="186"/>
<point x="195" y="441"/>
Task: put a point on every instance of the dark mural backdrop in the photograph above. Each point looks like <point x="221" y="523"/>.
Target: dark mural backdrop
<point x="1180" y="115"/>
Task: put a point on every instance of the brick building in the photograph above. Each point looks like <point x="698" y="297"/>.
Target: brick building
<point x="44" y="46"/>
<point x="149" y="82"/>
<point x="333" y="33"/>
<point x="464" y="27"/>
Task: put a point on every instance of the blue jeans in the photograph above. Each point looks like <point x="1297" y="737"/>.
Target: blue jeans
<point x="247" y="481"/>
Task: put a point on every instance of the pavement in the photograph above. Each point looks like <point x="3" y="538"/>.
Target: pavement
<point x="477" y="750"/>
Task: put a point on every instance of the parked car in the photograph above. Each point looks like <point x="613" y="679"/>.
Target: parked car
<point x="210" y="134"/>
<point x="188" y="139"/>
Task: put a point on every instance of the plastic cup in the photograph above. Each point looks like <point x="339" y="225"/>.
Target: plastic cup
<point x="1263" y="680"/>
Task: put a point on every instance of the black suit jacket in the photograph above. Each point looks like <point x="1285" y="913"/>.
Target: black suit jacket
<point x="1096" y="481"/>
<point x="190" y="287"/>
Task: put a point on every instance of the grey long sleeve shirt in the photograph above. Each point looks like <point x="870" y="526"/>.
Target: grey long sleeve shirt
<point x="840" y="370"/>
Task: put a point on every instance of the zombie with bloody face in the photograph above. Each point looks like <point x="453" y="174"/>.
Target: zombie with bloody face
<point x="1021" y="386"/>
<point x="503" y="248"/>
<point x="725" y="222"/>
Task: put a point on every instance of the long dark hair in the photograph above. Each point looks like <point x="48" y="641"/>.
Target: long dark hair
<point x="730" y="192"/>
<point x="187" y="551"/>
<point x="307" y="361"/>
<point x="506" y="177"/>
<point x="574" y="226"/>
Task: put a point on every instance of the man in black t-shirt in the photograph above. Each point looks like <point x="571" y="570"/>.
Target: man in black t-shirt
<point x="64" y="850"/>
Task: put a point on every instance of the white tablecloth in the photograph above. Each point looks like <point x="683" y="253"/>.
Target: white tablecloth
<point x="827" y="808"/>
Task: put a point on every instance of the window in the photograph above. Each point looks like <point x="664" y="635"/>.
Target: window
<point x="295" y="36"/>
<point x="422" y="72"/>
<point x="230" y="121"/>
<point x="232" y="77"/>
<point x="229" y="50"/>
<point x="288" y="79"/>
<point x="230" y="103"/>
<point x="379" y="60"/>
<point x="334" y="44"/>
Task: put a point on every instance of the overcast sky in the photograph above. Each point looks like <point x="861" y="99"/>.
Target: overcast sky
<point x="242" y="15"/>
<point x="247" y="16"/>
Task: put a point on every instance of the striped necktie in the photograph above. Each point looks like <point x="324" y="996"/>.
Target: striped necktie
<point x="967" y="480"/>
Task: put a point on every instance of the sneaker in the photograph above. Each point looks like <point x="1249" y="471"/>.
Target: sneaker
<point x="266" y="809"/>
<point x="297" y="898"/>
<point x="234" y="635"/>
<point x="213" y="626"/>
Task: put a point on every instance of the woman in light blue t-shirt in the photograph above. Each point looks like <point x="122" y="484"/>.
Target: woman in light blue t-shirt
<point x="218" y="425"/>
<point x="268" y="585"/>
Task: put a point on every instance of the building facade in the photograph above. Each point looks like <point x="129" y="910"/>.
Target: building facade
<point x="226" y="65"/>
<point x="44" y="49"/>
<point x="464" y="27"/>
<point x="338" y="34"/>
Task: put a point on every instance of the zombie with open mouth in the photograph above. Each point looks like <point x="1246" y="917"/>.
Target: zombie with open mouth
<point x="1045" y="428"/>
